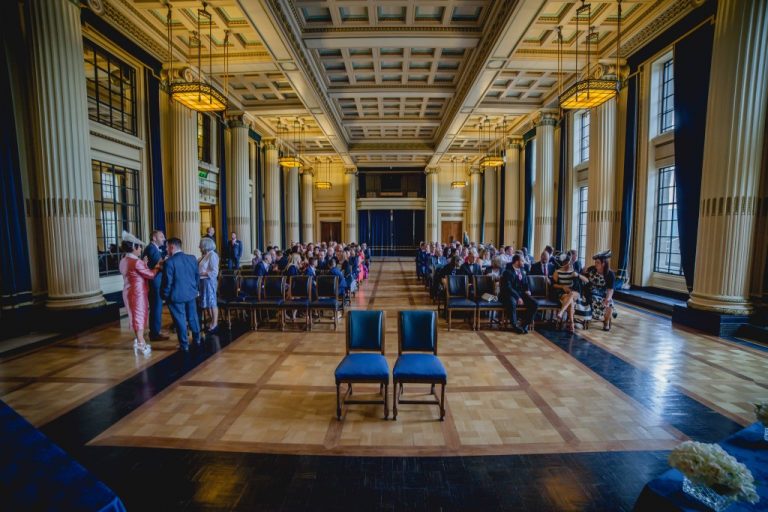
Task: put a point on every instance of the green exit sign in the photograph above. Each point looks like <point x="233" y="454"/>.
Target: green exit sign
<point x="203" y="174"/>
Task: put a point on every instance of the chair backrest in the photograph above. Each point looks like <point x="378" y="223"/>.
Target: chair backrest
<point x="538" y="285"/>
<point x="250" y="286"/>
<point x="456" y="286"/>
<point x="365" y="331"/>
<point x="417" y="331"/>
<point x="273" y="288"/>
<point x="228" y="287"/>
<point x="327" y="287"/>
<point x="484" y="284"/>
<point x="300" y="287"/>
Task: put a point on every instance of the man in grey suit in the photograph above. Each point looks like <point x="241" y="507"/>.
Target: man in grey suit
<point x="180" y="288"/>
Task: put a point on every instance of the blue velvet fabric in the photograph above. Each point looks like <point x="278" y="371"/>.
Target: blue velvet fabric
<point x="489" y="304"/>
<point x="666" y="492"/>
<point x="364" y="330"/>
<point x="426" y="367"/>
<point x="35" y="474"/>
<point x="461" y="303"/>
<point x="362" y="367"/>
<point x="418" y="331"/>
<point x="326" y="303"/>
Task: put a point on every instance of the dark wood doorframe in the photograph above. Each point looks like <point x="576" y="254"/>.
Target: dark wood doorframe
<point x="451" y="230"/>
<point x="330" y="231"/>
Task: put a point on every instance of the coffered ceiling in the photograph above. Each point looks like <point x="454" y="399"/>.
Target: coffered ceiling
<point x="401" y="82"/>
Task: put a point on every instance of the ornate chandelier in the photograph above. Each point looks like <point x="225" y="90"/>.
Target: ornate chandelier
<point x="325" y="185"/>
<point x="493" y="157"/>
<point x="456" y="183"/>
<point x="588" y="92"/>
<point x="200" y="94"/>
<point x="291" y="157"/>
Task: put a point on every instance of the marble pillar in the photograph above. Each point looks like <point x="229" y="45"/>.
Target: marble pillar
<point x="65" y="200"/>
<point x="432" y="214"/>
<point x="475" y="203"/>
<point x="307" y="205"/>
<point x="272" y="235"/>
<point x="253" y="155"/>
<point x="350" y="186"/>
<point x="512" y="193"/>
<point x="292" y="231"/>
<point x="182" y="214"/>
<point x="733" y="145"/>
<point x="238" y="201"/>
<point x="602" y="200"/>
<point x="490" y="209"/>
<point x="544" y="187"/>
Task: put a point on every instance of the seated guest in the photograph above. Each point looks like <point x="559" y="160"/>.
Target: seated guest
<point x="600" y="281"/>
<point x="334" y="271"/>
<point x="566" y="281"/>
<point x="311" y="268"/>
<point x="262" y="268"/>
<point x="514" y="292"/>
<point x="450" y="269"/>
<point x="292" y="269"/>
<point x="367" y="253"/>
<point x="574" y="255"/>
<point x="471" y="267"/>
<point x="256" y="258"/>
<point x="282" y="260"/>
<point x="544" y="267"/>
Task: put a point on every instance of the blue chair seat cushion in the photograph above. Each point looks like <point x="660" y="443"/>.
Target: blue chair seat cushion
<point x="296" y="303"/>
<point x="489" y="304"/>
<point x="326" y="303"/>
<point x="267" y="303"/>
<point x="368" y="367"/>
<point x="425" y="367"/>
<point x="461" y="303"/>
<point x="547" y="303"/>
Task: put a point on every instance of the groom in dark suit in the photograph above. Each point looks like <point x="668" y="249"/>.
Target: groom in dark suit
<point x="180" y="288"/>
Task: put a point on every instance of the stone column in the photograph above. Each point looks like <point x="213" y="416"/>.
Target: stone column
<point x="292" y="205"/>
<point x="433" y="223"/>
<point x="307" y="205"/>
<point x="182" y="216"/>
<point x="272" y="235"/>
<point x="734" y="135"/>
<point x="238" y="203"/>
<point x="601" y="201"/>
<point x="253" y="155"/>
<point x="475" y="203"/>
<point x="490" y="210"/>
<point x="64" y="177"/>
<point x="350" y="185"/>
<point x="512" y="193"/>
<point x="544" y="186"/>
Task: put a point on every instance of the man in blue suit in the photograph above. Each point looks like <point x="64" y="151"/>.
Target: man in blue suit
<point x="180" y="288"/>
<point x="262" y="269"/>
<point x="342" y="280"/>
<point x="154" y="252"/>
<point x="234" y="252"/>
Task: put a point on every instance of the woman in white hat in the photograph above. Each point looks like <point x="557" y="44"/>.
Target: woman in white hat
<point x="136" y="277"/>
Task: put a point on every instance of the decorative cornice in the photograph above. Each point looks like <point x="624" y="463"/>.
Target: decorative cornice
<point x="659" y="23"/>
<point x="398" y="28"/>
<point x="123" y="142"/>
<point x="117" y="19"/>
<point x="431" y="170"/>
<point x="350" y="170"/>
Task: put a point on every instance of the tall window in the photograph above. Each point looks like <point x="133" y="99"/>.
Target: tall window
<point x="203" y="138"/>
<point x="115" y="191"/>
<point x="584" y="136"/>
<point x="111" y="85"/>
<point x="582" y="228"/>
<point x="667" y="95"/>
<point x="667" y="247"/>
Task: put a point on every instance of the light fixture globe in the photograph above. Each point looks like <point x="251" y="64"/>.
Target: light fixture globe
<point x="458" y="184"/>
<point x="289" y="161"/>
<point x="492" y="161"/>
<point x="588" y="93"/>
<point x="323" y="185"/>
<point x="198" y="96"/>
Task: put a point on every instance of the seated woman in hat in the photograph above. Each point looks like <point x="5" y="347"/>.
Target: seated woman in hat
<point x="599" y="280"/>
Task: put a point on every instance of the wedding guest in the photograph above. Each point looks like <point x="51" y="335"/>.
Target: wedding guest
<point x="208" y="267"/>
<point x="543" y="267"/>
<point x="514" y="293"/>
<point x="600" y="281"/>
<point x="565" y="278"/>
<point x="154" y="254"/>
<point x="256" y="258"/>
<point x="136" y="277"/>
<point x="210" y="233"/>
<point x="234" y="251"/>
<point x="262" y="268"/>
<point x="180" y="289"/>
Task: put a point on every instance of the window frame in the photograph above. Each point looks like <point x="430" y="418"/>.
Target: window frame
<point x="666" y="96"/>
<point x="125" y="98"/>
<point x="204" y="138"/>
<point x="663" y="201"/>
<point x="584" y="136"/>
<point x="582" y="196"/>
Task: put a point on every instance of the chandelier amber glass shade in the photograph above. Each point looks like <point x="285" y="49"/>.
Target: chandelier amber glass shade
<point x="458" y="184"/>
<point x="198" y="96"/>
<point x="323" y="185"/>
<point x="588" y="93"/>
<point x="289" y="161"/>
<point x="492" y="161"/>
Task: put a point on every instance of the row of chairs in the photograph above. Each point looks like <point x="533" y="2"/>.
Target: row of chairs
<point x="461" y="297"/>
<point x="417" y="361"/>
<point x="272" y="296"/>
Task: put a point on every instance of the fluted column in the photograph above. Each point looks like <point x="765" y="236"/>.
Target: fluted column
<point x="733" y="143"/>
<point x="544" y="187"/>
<point x="65" y="184"/>
<point x="475" y="203"/>
<point x="350" y="185"/>
<point x="490" y="209"/>
<point x="432" y="233"/>
<point x="253" y="155"/>
<point x="512" y="193"/>
<point x="271" y="194"/>
<point x="601" y="201"/>
<point x="292" y="205"/>
<point x="307" y="205"/>
<point x="182" y="216"/>
<point x="238" y="204"/>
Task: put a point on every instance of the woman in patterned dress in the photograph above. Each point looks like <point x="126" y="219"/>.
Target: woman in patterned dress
<point x="208" y="266"/>
<point x="600" y="280"/>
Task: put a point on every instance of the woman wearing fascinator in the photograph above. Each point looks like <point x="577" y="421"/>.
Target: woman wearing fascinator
<point x="136" y="277"/>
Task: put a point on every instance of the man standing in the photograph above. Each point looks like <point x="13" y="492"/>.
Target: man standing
<point x="180" y="288"/>
<point x="154" y="252"/>
<point x="515" y="293"/>
<point x="235" y="251"/>
<point x="210" y="233"/>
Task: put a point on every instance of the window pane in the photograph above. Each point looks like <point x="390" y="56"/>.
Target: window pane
<point x="111" y="89"/>
<point x="667" y="242"/>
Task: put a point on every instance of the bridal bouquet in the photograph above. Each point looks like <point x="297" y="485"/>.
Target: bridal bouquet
<point x="761" y="411"/>
<point x="710" y="465"/>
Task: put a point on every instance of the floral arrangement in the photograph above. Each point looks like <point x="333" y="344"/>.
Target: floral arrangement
<point x="761" y="411"/>
<point x="710" y="465"/>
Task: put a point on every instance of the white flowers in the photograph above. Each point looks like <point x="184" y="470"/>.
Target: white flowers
<point x="710" y="465"/>
<point x="761" y="411"/>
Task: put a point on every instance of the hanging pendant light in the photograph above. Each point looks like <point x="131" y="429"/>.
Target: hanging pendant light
<point x="199" y="95"/>
<point x="325" y="185"/>
<point x="456" y="183"/>
<point x="590" y="92"/>
<point x="292" y="158"/>
<point x="491" y="158"/>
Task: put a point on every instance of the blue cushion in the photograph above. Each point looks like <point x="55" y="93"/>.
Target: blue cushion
<point x="296" y="303"/>
<point x="326" y="303"/>
<point x="461" y="303"/>
<point x="270" y="303"/>
<point x="364" y="330"/>
<point x="547" y="303"/>
<point x="418" y="330"/>
<point x="489" y="304"/>
<point x="419" y="366"/>
<point x="363" y="367"/>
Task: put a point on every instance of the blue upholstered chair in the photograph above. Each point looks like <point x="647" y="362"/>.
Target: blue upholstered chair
<point x="227" y="296"/>
<point x="297" y="298"/>
<point x="248" y="294"/>
<point x="483" y="285"/>
<point x="272" y="297"/>
<point x="417" y="360"/>
<point x="457" y="298"/>
<point x="327" y="291"/>
<point x="364" y="362"/>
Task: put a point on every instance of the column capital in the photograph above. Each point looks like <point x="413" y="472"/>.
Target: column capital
<point x="350" y="170"/>
<point x="236" y="121"/>
<point x="431" y="170"/>
<point x="606" y="69"/>
<point x="514" y="143"/>
<point x="269" y="143"/>
<point x="475" y="169"/>
<point x="545" y="118"/>
<point x="308" y="170"/>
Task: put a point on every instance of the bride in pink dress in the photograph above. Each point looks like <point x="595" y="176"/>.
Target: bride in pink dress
<point x="136" y="277"/>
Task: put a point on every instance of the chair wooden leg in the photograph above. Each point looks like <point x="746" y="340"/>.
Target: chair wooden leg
<point x="386" y="397"/>
<point x="394" y="400"/>
<point x="449" y="318"/>
<point x="442" y="403"/>
<point x="338" y="401"/>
